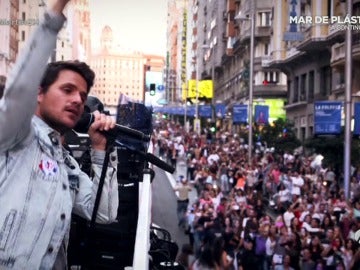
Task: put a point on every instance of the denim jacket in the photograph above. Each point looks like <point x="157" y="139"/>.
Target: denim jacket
<point x="40" y="183"/>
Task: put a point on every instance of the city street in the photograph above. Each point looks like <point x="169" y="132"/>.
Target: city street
<point x="164" y="203"/>
<point x="260" y="98"/>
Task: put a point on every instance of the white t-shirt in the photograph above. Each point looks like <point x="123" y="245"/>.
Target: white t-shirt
<point x="212" y="158"/>
<point x="288" y="216"/>
<point x="297" y="182"/>
<point x="181" y="150"/>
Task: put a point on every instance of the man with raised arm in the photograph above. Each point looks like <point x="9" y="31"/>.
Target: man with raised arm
<point x="40" y="183"/>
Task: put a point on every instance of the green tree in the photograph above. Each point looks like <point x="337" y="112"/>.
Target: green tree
<point x="332" y="148"/>
<point x="280" y="135"/>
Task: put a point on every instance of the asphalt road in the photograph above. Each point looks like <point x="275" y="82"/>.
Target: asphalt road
<point x="164" y="204"/>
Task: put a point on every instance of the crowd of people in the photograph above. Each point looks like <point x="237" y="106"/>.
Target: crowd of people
<point x="276" y="211"/>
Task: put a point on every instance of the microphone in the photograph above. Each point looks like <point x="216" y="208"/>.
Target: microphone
<point x="87" y="119"/>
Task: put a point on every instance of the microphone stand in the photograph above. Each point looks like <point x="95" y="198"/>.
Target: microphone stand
<point x="88" y="241"/>
<point x="148" y="157"/>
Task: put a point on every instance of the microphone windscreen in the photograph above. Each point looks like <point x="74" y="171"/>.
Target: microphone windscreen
<point x="84" y="123"/>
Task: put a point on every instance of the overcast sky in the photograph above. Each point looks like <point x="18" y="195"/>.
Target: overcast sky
<point x="136" y="24"/>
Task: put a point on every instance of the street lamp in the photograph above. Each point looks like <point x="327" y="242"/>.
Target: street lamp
<point x="197" y="121"/>
<point x="251" y="75"/>
<point x="348" y="86"/>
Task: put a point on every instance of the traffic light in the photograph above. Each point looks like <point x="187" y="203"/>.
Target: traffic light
<point x="152" y="89"/>
<point x="213" y="127"/>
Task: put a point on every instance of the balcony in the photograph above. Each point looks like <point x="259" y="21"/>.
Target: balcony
<point x="315" y="38"/>
<point x="245" y="34"/>
<point x="280" y="59"/>
<point x="275" y="59"/>
<point x="224" y="37"/>
<point x="335" y="30"/>
<point x="230" y="29"/>
<point x="292" y="53"/>
<point x="236" y="45"/>
<point x="225" y="15"/>
<point x="270" y="90"/>
<point x="295" y="104"/>
<point x="262" y="31"/>
<point x="337" y="54"/>
<point x="339" y="88"/>
<point x="338" y="51"/>
<point x="266" y="60"/>
<point x="225" y="58"/>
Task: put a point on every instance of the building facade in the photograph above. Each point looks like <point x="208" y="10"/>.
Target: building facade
<point x="175" y="51"/>
<point x="295" y="63"/>
<point x="18" y="18"/>
<point x="79" y="29"/>
<point x="313" y="57"/>
<point x="9" y="29"/>
<point x="120" y="71"/>
<point x="269" y="84"/>
<point x="218" y="48"/>
<point x="30" y="12"/>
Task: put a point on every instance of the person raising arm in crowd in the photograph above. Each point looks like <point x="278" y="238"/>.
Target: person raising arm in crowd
<point x="40" y="183"/>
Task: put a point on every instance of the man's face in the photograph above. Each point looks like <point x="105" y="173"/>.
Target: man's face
<point x="62" y="105"/>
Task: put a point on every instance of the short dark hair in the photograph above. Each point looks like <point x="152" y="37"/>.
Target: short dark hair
<point x="53" y="69"/>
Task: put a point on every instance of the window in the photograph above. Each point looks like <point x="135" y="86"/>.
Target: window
<point x="266" y="48"/>
<point x="23" y="17"/>
<point x="303" y="87"/>
<point x="296" y="90"/>
<point x="311" y="86"/>
<point x="356" y="9"/>
<point x="271" y="77"/>
<point x="325" y="81"/>
<point x="264" y="18"/>
<point x="289" y="84"/>
<point x="302" y="134"/>
<point x="22" y="35"/>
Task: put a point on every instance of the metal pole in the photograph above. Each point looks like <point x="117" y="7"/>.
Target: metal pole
<point x="213" y="115"/>
<point x="251" y="83"/>
<point x="348" y="86"/>
<point x="197" y="96"/>
<point x="185" y="112"/>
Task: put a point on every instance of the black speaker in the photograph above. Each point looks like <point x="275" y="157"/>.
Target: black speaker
<point x="112" y="246"/>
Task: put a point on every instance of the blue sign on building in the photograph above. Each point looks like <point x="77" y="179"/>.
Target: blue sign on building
<point x="219" y="110"/>
<point x="205" y="111"/>
<point x="356" y="119"/>
<point x="327" y="117"/>
<point x="240" y="113"/>
<point x="261" y="114"/>
<point x="190" y="111"/>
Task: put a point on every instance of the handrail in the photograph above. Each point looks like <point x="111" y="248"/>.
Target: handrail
<point x="142" y="241"/>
